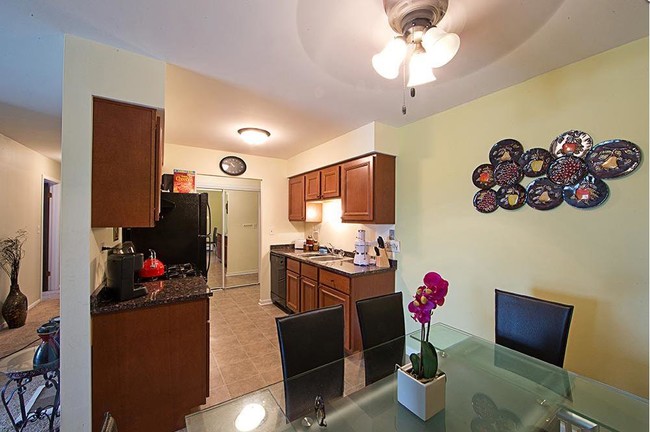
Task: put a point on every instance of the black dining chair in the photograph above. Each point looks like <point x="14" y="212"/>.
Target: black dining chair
<point x="311" y="347"/>
<point x="532" y="326"/>
<point x="381" y="320"/>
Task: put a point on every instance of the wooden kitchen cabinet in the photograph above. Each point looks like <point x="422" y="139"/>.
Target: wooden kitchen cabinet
<point x="308" y="287"/>
<point x="127" y="155"/>
<point x="293" y="291"/>
<point x="368" y="190"/>
<point x="297" y="209"/>
<point x="330" y="182"/>
<point x="150" y="366"/>
<point x="330" y="297"/>
<point x="312" y="186"/>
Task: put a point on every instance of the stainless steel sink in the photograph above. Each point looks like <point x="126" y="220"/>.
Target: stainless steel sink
<point x="325" y="258"/>
<point x="309" y="254"/>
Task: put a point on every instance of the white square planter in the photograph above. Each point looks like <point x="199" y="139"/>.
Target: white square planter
<point x="423" y="400"/>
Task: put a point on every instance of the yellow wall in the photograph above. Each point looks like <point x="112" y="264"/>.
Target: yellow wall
<point x="594" y="259"/>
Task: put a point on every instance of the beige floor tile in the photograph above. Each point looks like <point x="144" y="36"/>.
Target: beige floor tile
<point x="237" y="371"/>
<point x="222" y="343"/>
<point x="230" y="356"/>
<point x="259" y="348"/>
<point x="251" y="383"/>
<point x="218" y="395"/>
<point x="272" y="376"/>
<point x="268" y="362"/>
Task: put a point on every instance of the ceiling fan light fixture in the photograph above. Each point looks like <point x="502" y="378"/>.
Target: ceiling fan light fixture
<point x="419" y="68"/>
<point x="254" y="136"/>
<point x="440" y="46"/>
<point x="388" y="61"/>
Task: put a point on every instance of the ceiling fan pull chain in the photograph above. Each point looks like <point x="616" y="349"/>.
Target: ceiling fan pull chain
<point x="404" y="88"/>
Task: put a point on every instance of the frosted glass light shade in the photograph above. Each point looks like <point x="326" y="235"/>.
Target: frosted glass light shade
<point x="419" y="69"/>
<point x="440" y="46"/>
<point x="254" y="136"/>
<point x="387" y="62"/>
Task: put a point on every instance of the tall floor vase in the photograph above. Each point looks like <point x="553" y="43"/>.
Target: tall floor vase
<point x="14" y="309"/>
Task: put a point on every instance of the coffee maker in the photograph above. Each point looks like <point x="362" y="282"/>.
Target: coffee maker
<point x="121" y="271"/>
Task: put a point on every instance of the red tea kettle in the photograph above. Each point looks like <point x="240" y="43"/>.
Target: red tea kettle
<point x="152" y="267"/>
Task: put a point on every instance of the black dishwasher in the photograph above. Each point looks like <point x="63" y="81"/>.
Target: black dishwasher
<point x="279" y="281"/>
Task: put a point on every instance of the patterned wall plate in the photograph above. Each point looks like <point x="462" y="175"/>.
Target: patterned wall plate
<point x="485" y="201"/>
<point x="567" y="170"/>
<point x="483" y="176"/>
<point x="543" y="194"/>
<point x="511" y="197"/>
<point x="535" y="162"/>
<point x="508" y="173"/>
<point x="506" y="150"/>
<point x="571" y="143"/>
<point x="588" y="193"/>
<point x="615" y="158"/>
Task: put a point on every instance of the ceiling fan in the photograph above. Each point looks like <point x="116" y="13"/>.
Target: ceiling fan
<point x="419" y="42"/>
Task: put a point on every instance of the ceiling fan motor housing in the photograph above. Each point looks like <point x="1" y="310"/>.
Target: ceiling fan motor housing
<point x="405" y="14"/>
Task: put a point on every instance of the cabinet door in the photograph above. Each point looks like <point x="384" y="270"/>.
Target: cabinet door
<point x="297" y="198"/>
<point x="308" y="294"/>
<point x="329" y="182"/>
<point x="293" y="291"/>
<point x="312" y="185"/>
<point x="331" y="297"/>
<point x="124" y="165"/>
<point x="357" y="194"/>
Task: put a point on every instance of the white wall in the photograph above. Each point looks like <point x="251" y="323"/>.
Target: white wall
<point x="89" y="69"/>
<point x="21" y="192"/>
<point x="274" y="225"/>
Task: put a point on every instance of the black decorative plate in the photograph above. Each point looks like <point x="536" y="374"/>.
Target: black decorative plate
<point x="615" y="158"/>
<point x="543" y="194"/>
<point x="506" y="150"/>
<point x="485" y="201"/>
<point x="483" y="176"/>
<point x="511" y="197"/>
<point x="571" y="143"/>
<point x="508" y="173"/>
<point x="535" y="162"/>
<point x="588" y="193"/>
<point x="567" y="170"/>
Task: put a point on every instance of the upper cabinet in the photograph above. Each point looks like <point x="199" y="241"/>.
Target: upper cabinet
<point x="366" y="186"/>
<point x="368" y="190"/>
<point x="126" y="164"/>
<point x="323" y="184"/>
<point x="297" y="198"/>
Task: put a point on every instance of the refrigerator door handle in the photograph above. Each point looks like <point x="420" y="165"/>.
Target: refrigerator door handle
<point x="214" y="241"/>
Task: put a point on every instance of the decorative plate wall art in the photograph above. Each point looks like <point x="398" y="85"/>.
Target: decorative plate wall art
<point x="572" y="171"/>
<point x="483" y="176"/>
<point x="571" y="143"/>
<point x="612" y="159"/>
<point x="543" y="194"/>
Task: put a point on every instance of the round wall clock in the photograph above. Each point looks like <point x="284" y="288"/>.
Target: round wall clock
<point x="233" y="165"/>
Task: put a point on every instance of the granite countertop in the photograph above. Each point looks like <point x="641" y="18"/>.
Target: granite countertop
<point x="345" y="267"/>
<point x="158" y="293"/>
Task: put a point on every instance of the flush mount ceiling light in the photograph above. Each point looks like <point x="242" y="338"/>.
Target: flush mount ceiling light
<point x="254" y="136"/>
<point x="419" y="43"/>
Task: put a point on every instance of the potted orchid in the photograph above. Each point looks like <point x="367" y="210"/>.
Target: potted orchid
<point x="420" y="386"/>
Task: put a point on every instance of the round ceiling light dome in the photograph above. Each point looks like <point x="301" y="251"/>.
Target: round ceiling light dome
<point x="254" y="136"/>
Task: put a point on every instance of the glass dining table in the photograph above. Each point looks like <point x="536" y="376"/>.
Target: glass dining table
<point x="489" y="388"/>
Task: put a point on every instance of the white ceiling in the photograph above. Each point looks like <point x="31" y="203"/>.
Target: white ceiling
<point x="299" y="68"/>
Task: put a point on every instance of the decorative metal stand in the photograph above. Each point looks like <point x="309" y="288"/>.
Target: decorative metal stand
<point x="44" y="403"/>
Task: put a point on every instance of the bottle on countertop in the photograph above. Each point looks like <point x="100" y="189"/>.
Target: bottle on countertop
<point x="309" y="244"/>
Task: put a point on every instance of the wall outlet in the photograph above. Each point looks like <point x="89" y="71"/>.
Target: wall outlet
<point x="393" y="246"/>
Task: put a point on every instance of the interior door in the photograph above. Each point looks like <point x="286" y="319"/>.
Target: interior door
<point x="241" y="224"/>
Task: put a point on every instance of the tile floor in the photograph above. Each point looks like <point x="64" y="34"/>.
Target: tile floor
<point x="215" y="279"/>
<point x="244" y="347"/>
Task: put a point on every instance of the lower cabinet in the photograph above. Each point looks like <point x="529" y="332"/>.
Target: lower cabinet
<point x="150" y="366"/>
<point x="293" y="290"/>
<point x="330" y="297"/>
<point x="308" y="294"/>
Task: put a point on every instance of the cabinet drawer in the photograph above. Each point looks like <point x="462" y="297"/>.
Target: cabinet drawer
<point x="309" y="271"/>
<point x="293" y="265"/>
<point x="336" y="281"/>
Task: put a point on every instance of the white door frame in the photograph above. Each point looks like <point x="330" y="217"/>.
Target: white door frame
<point x="53" y="245"/>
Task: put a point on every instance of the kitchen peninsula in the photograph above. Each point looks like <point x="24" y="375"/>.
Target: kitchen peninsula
<point x="150" y="355"/>
<point x="314" y="281"/>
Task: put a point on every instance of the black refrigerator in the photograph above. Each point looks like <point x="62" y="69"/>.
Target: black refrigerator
<point x="180" y="235"/>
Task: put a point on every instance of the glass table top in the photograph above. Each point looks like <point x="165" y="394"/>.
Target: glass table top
<point x="488" y="388"/>
<point x="22" y="362"/>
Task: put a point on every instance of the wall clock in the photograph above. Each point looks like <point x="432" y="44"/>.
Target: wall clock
<point x="233" y="165"/>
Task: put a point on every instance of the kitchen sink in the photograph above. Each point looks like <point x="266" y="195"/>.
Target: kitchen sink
<point x="309" y="254"/>
<point x="324" y="258"/>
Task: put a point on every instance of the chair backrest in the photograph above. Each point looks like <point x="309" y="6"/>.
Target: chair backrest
<point x="109" y="424"/>
<point x="381" y="320"/>
<point x="532" y="326"/>
<point x="308" y="341"/>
